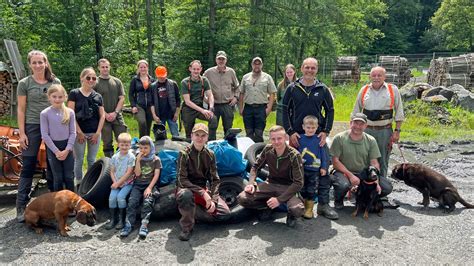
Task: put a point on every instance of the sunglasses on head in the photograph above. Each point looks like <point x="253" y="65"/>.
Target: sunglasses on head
<point x="89" y="78"/>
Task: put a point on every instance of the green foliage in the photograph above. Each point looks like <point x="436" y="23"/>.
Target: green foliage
<point x="453" y="21"/>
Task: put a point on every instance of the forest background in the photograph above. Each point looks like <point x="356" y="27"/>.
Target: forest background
<point x="75" y="33"/>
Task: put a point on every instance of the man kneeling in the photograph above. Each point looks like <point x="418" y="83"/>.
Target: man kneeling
<point x="285" y="180"/>
<point x="197" y="168"/>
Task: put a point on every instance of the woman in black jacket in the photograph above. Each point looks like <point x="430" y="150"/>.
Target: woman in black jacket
<point x="141" y="99"/>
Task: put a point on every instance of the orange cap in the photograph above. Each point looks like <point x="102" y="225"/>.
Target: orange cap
<point x="161" y="72"/>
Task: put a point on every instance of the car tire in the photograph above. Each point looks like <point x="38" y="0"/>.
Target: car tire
<point x="166" y="206"/>
<point x="230" y="187"/>
<point x="95" y="185"/>
<point x="251" y="155"/>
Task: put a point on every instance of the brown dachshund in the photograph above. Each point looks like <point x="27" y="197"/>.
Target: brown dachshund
<point x="58" y="205"/>
<point x="431" y="184"/>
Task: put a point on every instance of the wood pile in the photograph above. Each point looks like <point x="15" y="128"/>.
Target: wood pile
<point x="6" y="87"/>
<point x="347" y="70"/>
<point x="398" y="69"/>
<point x="447" y="71"/>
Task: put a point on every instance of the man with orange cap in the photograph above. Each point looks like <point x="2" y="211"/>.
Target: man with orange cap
<point x="166" y="100"/>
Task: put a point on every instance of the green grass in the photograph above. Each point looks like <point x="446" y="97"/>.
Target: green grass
<point x="417" y="73"/>
<point x="421" y="124"/>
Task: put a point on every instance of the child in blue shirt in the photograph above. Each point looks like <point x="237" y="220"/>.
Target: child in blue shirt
<point x="121" y="170"/>
<point x="316" y="163"/>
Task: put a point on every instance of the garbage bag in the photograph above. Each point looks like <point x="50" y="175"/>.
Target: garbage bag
<point x="229" y="159"/>
<point x="168" y="162"/>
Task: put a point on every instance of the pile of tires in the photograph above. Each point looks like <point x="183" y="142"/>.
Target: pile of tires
<point x="95" y="188"/>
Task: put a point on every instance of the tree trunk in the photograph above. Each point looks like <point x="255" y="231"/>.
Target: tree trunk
<point x="135" y="24"/>
<point x="149" y="32"/>
<point x="212" y="31"/>
<point x="164" y="37"/>
<point x="97" y="36"/>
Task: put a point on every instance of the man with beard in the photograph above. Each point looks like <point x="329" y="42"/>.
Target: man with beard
<point x="257" y="94"/>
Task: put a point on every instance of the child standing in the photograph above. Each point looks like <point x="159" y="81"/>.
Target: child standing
<point x="147" y="173"/>
<point x="121" y="170"/>
<point x="316" y="163"/>
<point x="58" y="131"/>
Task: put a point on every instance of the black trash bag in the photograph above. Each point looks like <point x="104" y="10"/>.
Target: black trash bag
<point x="160" y="132"/>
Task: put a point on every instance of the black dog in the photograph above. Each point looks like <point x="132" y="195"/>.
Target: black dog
<point x="431" y="184"/>
<point x="367" y="197"/>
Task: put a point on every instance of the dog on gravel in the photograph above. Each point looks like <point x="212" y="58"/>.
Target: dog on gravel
<point x="367" y="196"/>
<point x="431" y="184"/>
<point x="58" y="205"/>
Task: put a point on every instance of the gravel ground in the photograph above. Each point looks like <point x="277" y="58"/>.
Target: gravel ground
<point x="408" y="234"/>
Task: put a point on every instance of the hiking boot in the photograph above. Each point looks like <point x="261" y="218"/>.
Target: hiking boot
<point x="308" y="209"/>
<point x="290" y="220"/>
<point x="121" y="218"/>
<point x="113" y="219"/>
<point x="338" y="205"/>
<point x="143" y="231"/>
<point x="389" y="204"/>
<point x="185" y="236"/>
<point x="326" y="211"/>
<point x="126" y="230"/>
<point x="20" y="214"/>
<point x="265" y="215"/>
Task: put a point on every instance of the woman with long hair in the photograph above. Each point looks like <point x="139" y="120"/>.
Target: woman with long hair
<point x="290" y="77"/>
<point x="90" y="118"/>
<point x="58" y="130"/>
<point x="141" y="98"/>
<point x="32" y="99"/>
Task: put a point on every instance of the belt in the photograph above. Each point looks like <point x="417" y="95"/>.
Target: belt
<point x="380" y="127"/>
<point x="256" y="105"/>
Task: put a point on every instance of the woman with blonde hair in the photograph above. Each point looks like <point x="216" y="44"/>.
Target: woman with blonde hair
<point x="141" y="98"/>
<point x="58" y="130"/>
<point x="90" y="118"/>
<point x="290" y="77"/>
<point x="32" y="99"/>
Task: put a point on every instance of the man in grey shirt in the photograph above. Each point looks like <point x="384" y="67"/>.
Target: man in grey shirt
<point x="257" y="93"/>
<point x="225" y="89"/>
<point x="111" y="89"/>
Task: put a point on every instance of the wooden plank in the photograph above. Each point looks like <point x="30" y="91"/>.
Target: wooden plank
<point x="15" y="59"/>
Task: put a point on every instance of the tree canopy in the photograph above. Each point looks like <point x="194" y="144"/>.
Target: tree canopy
<point x="76" y="33"/>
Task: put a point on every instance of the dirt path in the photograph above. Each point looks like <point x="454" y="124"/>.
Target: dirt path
<point x="407" y="235"/>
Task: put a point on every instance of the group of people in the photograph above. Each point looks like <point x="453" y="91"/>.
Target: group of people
<point x="305" y="115"/>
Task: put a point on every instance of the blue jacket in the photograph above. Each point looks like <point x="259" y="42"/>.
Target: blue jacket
<point x="300" y="101"/>
<point x="314" y="156"/>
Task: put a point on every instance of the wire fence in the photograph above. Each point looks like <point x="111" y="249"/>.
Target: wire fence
<point x="67" y="67"/>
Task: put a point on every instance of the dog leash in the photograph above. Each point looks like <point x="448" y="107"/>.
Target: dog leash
<point x="77" y="203"/>
<point x="401" y="153"/>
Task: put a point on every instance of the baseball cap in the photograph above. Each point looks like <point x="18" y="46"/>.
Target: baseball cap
<point x="200" y="127"/>
<point x="359" y="117"/>
<point x="257" y="58"/>
<point x="161" y="72"/>
<point x="221" y="54"/>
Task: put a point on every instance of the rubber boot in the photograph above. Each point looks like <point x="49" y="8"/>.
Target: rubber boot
<point x="113" y="219"/>
<point x="20" y="214"/>
<point x="121" y="219"/>
<point x="308" y="209"/>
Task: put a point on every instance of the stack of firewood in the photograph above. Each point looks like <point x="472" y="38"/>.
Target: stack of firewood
<point x="446" y="71"/>
<point x="347" y="70"/>
<point x="398" y="70"/>
<point x="6" y="87"/>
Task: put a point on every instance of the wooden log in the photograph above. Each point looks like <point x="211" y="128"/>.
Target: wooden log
<point x="458" y="64"/>
<point x="347" y="63"/>
<point x="461" y="79"/>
